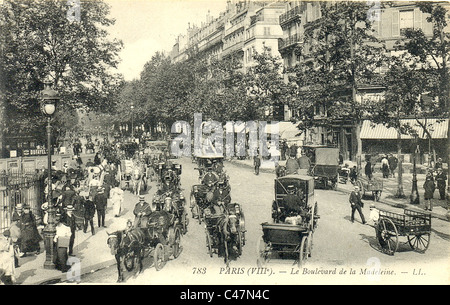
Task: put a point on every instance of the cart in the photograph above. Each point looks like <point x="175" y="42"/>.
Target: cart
<point x="289" y="240"/>
<point x="416" y="226"/>
<point x="324" y="165"/>
<point x="375" y="186"/>
<point x="126" y="170"/>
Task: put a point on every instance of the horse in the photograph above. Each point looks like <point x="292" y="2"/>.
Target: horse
<point x="137" y="180"/>
<point x="127" y="246"/>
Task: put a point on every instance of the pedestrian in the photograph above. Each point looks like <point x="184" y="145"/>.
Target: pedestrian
<point x="7" y="258"/>
<point x="441" y="178"/>
<point x="30" y="237"/>
<point x="89" y="212"/>
<point x="356" y="204"/>
<point x="256" y="164"/>
<point x="70" y="221"/>
<point x="101" y="201"/>
<point x="438" y="164"/>
<point x="393" y="162"/>
<point x="368" y="170"/>
<point x="429" y="187"/>
<point x="385" y="167"/>
<point x="116" y="195"/>
<point x="61" y="243"/>
<point x="353" y="174"/>
<point x="142" y="211"/>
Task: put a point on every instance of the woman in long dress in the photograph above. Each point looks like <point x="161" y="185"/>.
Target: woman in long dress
<point x="30" y="237"/>
<point x="116" y="195"/>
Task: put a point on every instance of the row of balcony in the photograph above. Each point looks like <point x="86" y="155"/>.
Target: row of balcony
<point x="291" y="40"/>
<point x="290" y="15"/>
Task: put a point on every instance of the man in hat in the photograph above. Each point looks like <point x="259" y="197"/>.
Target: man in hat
<point x="89" y="212"/>
<point x="292" y="203"/>
<point x="71" y="223"/>
<point x="101" y="201"/>
<point x="292" y="166"/>
<point x="142" y="211"/>
<point x="441" y="178"/>
<point x="356" y="204"/>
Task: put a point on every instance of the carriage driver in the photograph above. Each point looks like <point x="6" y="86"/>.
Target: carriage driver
<point x="293" y="202"/>
<point x="142" y="211"/>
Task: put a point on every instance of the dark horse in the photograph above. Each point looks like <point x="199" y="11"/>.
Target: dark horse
<point x="128" y="248"/>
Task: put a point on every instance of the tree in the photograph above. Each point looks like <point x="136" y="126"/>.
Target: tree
<point x="340" y="54"/>
<point x="41" y="44"/>
<point x="404" y="87"/>
<point x="433" y="53"/>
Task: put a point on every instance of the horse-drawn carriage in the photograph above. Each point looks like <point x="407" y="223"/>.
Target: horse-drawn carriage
<point x="133" y="176"/>
<point x="225" y="230"/>
<point x="204" y="163"/>
<point x="173" y="202"/>
<point x="160" y="239"/>
<point x="324" y="165"/>
<point x="291" y="233"/>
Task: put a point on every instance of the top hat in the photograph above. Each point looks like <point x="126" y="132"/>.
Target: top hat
<point x="141" y="197"/>
<point x="19" y="206"/>
<point x="70" y="208"/>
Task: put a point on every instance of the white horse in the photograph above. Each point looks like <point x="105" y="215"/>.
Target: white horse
<point x="136" y="179"/>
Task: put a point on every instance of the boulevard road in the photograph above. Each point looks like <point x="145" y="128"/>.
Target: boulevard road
<point x="343" y="252"/>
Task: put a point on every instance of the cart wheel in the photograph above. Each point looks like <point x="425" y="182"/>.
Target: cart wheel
<point x="310" y="243"/>
<point x="158" y="257"/>
<point x="199" y="214"/>
<point x="419" y="242"/>
<point x="226" y="255"/>
<point x="209" y="243"/>
<point x="261" y="252"/>
<point x="176" y="247"/>
<point x="387" y="235"/>
<point x="240" y="242"/>
<point x="304" y="251"/>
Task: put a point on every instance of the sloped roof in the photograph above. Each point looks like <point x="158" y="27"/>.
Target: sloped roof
<point x="437" y="127"/>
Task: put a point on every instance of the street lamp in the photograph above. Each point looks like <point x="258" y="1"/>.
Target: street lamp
<point x="49" y="99"/>
<point x="132" y="129"/>
<point x="414" y="198"/>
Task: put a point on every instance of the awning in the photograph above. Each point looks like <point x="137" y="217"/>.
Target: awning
<point x="437" y="128"/>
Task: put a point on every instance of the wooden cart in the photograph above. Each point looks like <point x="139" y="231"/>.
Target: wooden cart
<point x="375" y="186"/>
<point x="416" y="226"/>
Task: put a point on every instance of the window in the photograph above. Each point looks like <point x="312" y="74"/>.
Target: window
<point x="406" y="20"/>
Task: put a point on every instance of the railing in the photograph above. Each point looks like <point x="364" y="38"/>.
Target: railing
<point x="26" y="189"/>
<point x="290" y="15"/>
<point x="291" y="40"/>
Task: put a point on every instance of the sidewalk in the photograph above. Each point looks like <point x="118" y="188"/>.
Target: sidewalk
<point x="440" y="207"/>
<point x="92" y="250"/>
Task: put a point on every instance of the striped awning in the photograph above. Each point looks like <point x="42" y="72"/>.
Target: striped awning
<point x="437" y="128"/>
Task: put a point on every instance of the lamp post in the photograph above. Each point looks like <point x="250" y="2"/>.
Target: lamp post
<point x="414" y="198"/>
<point x="132" y="129"/>
<point x="49" y="99"/>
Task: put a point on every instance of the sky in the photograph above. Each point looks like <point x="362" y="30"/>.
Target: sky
<point x="148" y="26"/>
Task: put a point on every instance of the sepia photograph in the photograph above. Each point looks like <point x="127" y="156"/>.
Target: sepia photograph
<point x="192" y="143"/>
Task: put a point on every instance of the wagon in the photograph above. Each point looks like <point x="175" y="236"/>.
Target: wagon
<point x="289" y="240"/>
<point x="324" y="165"/>
<point x="416" y="226"/>
<point x="375" y="186"/>
<point x="126" y="170"/>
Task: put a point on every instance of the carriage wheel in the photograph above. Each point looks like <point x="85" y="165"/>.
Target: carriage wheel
<point x="158" y="257"/>
<point x="193" y="204"/>
<point x="310" y="243"/>
<point x="262" y="253"/>
<point x="240" y="242"/>
<point x="184" y="221"/>
<point x="226" y="255"/>
<point x="304" y="251"/>
<point x="387" y="235"/>
<point x="419" y="242"/>
<point x="176" y="248"/>
<point x="209" y="243"/>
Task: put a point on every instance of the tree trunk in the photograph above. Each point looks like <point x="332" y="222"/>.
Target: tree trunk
<point x="400" y="193"/>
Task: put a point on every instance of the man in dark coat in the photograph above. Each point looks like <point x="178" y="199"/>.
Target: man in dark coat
<point x="293" y="203"/>
<point x="393" y="162"/>
<point x="71" y="223"/>
<point x="304" y="161"/>
<point x="89" y="212"/>
<point x="142" y="211"/>
<point x="441" y="178"/>
<point x="356" y="204"/>
<point x="257" y="164"/>
<point x="101" y="201"/>
<point x="429" y="187"/>
<point x="368" y="169"/>
<point x="292" y="166"/>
